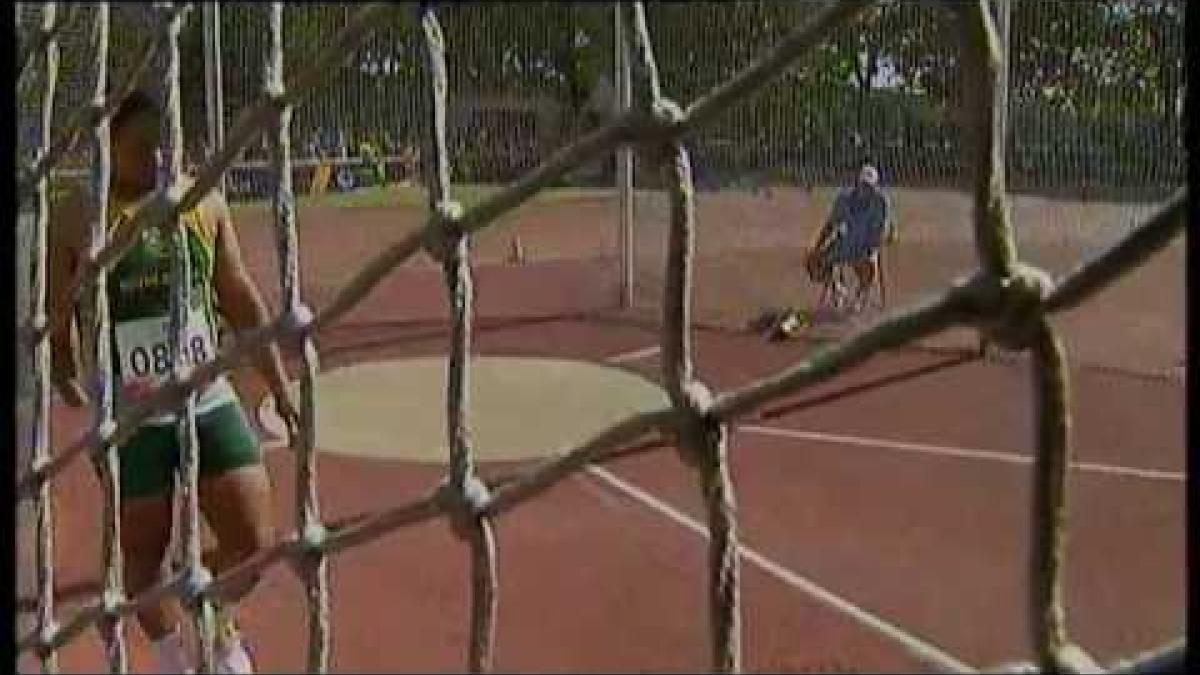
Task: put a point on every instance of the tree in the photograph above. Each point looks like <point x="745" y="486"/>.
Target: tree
<point x="1103" y="55"/>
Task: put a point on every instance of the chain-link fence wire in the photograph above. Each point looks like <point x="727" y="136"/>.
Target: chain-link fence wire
<point x="1085" y="116"/>
<point x="1007" y="298"/>
<point x="1097" y="89"/>
<point x="538" y="77"/>
<point x="522" y="90"/>
<point x="132" y="33"/>
<point x="1096" y="100"/>
<point x="1094" y="145"/>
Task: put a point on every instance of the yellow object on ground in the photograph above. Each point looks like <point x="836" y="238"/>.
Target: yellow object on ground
<point x="320" y="179"/>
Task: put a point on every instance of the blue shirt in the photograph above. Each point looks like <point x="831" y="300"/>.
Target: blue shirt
<point x="860" y="214"/>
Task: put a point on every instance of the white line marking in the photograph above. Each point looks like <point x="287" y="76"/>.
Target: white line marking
<point x="923" y="448"/>
<point x="635" y="355"/>
<point x="966" y="453"/>
<point x="916" y="647"/>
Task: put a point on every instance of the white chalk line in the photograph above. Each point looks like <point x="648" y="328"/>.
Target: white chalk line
<point x="634" y="355"/>
<point x="916" y="647"/>
<point x="964" y="453"/>
<point x="922" y="650"/>
<point x="924" y="448"/>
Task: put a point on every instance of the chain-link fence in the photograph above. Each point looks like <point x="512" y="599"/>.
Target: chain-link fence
<point x="1097" y="91"/>
<point x="1096" y="99"/>
<point x="132" y="35"/>
<point x="533" y="81"/>
<point x="1096" y="106"/>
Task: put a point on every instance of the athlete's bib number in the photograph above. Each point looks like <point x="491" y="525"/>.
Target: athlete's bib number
<point x="144" y="347"/>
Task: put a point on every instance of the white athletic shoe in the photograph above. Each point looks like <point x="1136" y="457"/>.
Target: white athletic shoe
<point x="231" y="653"/>
<point x="234" y="658"/>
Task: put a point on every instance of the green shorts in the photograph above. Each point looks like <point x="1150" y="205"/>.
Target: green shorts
<point x="151" y="458"/>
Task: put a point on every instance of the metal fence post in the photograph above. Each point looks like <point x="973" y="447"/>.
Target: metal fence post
<point x="214" y="103"/>
<point x="624" y="160"/>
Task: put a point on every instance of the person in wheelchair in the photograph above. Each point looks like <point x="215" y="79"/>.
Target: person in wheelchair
<point x="851" y="239"/>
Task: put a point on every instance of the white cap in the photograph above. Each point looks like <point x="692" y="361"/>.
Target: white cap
<point x="869" y="175"/>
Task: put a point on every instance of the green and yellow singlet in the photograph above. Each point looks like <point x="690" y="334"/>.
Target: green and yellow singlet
<point x="139" y="296"/>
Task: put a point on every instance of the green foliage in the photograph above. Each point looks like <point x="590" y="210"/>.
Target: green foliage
<point x="1095" y="86"/>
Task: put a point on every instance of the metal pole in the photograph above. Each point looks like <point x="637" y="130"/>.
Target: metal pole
<point x="218" y="79"/>
<point x="214" y="101"/>
<point x="206" y="11"/>
<point x="624" y="159"/>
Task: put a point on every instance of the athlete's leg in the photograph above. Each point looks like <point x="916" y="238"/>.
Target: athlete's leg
<point x="235" y="490"/>
<point x="145" y="536"/>
<point x="235" y="495"/>
<point x="823" y="297"/>
<point x="880" y="279"/>
<point x="839" y="286"/>
<point x="864" y="269"/>
<point x="147" y="464"/>
<point x="237" y="505"/>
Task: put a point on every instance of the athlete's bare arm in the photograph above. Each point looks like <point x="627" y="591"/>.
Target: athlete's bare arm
<point x="242" y="305"/>
<point x="62" y="257"/>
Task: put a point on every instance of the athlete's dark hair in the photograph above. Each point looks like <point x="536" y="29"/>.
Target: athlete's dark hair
<point x="136" y="104"/>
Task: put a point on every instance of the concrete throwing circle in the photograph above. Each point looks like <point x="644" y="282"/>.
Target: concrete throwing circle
<point x="519" y="407"/>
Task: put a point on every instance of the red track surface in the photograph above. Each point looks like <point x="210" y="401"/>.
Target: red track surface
<point x="593" y="580"/>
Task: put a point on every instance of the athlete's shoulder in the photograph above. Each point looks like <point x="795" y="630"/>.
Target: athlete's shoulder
<point x="212" y="206"/>
<point x="207" y="215"/>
